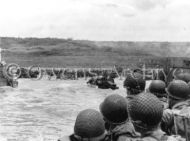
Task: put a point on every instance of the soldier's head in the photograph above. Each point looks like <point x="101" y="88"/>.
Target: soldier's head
<point x="114" y="110"/>
<point x="89" y="126"/>
<point x="134" y="84"/>
<point x="157" y="87"/>
<point x="146" y="112"/>
<point x="185" y="76"/>
<point x="178" y="91"/>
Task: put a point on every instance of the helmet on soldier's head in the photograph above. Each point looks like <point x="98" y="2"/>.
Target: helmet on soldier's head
<point x="183" y="76"/>
<point x="89" y="123"/>
<point x="147" y="108"/>
<point x="114" y="109"/>
<point x="178" y="89"/>
<point x="135" y="83"/>
<point x="157" y="87"/>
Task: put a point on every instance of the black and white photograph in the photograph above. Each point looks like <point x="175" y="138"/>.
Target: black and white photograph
<point x="94" y="70"/>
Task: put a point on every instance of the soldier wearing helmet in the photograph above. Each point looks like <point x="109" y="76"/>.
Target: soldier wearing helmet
<point x="134" y="84"/>
<point x="178" y="91"/>
<point x="157" y="87"/>
<point x="183" y="76"/>
<point x="114" y="109"/>
<point x="89" y="126"/>
<point x="179" y="101"/>
<point x="146" y="113"/>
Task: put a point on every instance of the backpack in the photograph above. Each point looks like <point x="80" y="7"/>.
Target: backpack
<point x="151" y="137"/>
<point x="182" y="123"/>
<point x="163" y="138"/>
<point x="181" y="118"/>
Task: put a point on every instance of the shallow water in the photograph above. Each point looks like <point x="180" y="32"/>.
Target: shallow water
<point x="45" y="110"/>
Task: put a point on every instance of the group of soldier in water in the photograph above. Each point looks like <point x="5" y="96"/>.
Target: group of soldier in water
<point x="103" y="82"/>
<point x="155" y="114"/>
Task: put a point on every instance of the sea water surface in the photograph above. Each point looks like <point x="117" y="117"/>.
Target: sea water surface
<point x="46" y="110"/>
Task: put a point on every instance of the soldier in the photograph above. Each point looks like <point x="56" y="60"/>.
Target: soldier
<point x="89" y="126"/>
<point x="134" y="85"/>
<point x="157" y="87"/>
<point x="179" y="103"/>
<point x="183" y="76"/>
<point x="146" y="113"/>
<point x="92" y="81"/>
<point x="115" y="112"/>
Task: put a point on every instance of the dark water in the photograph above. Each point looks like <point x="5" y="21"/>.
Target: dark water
<point x="46" y="110"/>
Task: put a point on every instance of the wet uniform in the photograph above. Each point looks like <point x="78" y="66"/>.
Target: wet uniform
<point x="178" y="92"/>
<point x="122" y="132"/>
<point x="168" y="117"/>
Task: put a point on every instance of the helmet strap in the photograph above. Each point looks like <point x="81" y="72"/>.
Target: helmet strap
<point x="133" y="91"/>
<point x="81" y="138"/>
<point x="144" y="128"/>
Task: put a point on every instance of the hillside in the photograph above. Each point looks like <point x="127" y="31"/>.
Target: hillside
<point x="53" y="52"/>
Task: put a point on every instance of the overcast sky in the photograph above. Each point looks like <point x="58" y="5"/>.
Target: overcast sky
<point x="127" y="20"/>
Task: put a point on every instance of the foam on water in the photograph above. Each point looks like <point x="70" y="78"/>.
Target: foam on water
<point x="46" y="110"/>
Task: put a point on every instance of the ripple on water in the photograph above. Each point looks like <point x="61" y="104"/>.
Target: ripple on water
<point x="45" y="110"/>
<point x="26" y="90"/>
<point x="57" y="89"/>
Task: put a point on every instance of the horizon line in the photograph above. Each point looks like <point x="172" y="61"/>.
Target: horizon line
<point x="75" y="39"/>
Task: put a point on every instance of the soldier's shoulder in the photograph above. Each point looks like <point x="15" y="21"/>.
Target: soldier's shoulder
<point x="175" y="138"/>
<point x="165" y="138"/>
<point x="167" y="114"/>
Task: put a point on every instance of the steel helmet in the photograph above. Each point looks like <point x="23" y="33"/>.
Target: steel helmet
<point x="178" y="89"/>
<point x="89" y="123"/>
<point x="147" y="108"/>
<point x="183" y="76"/>
<point x="136" y="83"/>
<point x="157" y="87"/>
<point x="114" y="109"/>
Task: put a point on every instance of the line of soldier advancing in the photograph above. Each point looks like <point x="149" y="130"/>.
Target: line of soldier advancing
<point x="156" y="114"/>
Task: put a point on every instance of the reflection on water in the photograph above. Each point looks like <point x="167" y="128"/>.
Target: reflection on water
<point x="46" y="110"/>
